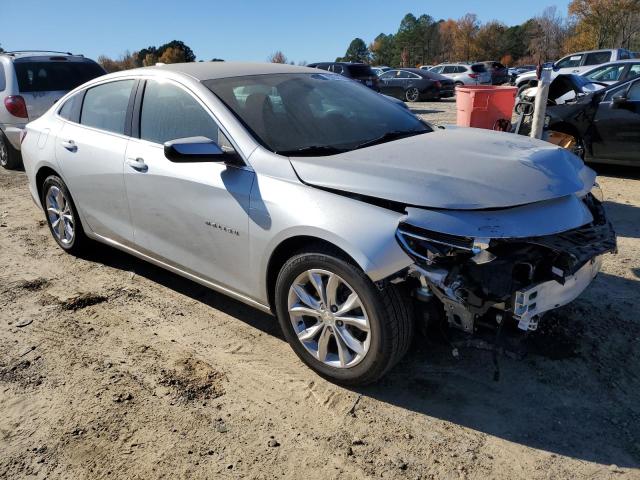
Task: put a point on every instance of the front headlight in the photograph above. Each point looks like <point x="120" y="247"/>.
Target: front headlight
<point x="426" y="245"/>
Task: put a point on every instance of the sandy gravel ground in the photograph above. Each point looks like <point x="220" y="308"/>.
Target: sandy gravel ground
<point x="114" y="369"/>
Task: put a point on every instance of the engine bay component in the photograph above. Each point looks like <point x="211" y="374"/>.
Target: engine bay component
<point x="478" y="280"/>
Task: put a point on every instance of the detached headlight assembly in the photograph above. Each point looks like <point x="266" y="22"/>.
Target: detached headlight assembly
<point x="596" y="191"/>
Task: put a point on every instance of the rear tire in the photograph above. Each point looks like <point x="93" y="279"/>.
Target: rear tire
<point x="412" y="94"/>
<point x="10" y="158"/>
<point x="380" y="321"/>
<point x="62" y="216"/>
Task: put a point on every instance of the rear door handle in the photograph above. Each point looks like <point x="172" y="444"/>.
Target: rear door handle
<point x="70" y="145"/>
<point x="137" y="164"/>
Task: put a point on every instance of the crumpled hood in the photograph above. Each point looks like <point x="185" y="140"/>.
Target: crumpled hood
<point x="453" y="168"/>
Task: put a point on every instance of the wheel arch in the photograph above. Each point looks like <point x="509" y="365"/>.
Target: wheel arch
<point x="42" y="174"/>
<point x="292" y="246"/>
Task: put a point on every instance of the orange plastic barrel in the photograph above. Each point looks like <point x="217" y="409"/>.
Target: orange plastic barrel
<point x="481" y="106"/>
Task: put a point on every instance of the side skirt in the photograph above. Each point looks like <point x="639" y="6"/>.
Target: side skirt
<point x="213" y="286"/>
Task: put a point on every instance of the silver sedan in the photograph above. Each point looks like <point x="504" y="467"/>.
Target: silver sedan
<point x="307" y="195"/>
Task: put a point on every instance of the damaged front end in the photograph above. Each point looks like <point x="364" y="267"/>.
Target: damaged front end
<point x="485" y="279"/>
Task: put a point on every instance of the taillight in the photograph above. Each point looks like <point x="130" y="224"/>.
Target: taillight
<point x="16" y="106"/>
<point x="473" y="75"/>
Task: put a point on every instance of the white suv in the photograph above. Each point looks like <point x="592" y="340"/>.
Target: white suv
<point x="30" y="83"/>
<point x="576" y="63"/>
<point x="462" y="74"/>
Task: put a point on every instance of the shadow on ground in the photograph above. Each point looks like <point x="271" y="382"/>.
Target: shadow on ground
<point x="574" y="394"/>
<point x="423" y="111"/>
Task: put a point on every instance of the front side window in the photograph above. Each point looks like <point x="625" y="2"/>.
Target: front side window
<point x="105" y="106"/>
<point x="607" y="74"/>
<point x="569" y="62"/>
<point x="596" y="58"/>
<point x="449" y="69"/>
<point x="313" y="114"/>
<point x="169" y="112"/>
<point x="436" y="69"/>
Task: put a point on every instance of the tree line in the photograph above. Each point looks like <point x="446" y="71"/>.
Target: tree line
<point x="422" y="40"/>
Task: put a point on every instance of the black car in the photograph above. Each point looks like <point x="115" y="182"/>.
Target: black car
<point x="605" y="124"/>
<point x="414" y="84"/>
<point x="499" y="73"/>
<point x="356" y="71"/>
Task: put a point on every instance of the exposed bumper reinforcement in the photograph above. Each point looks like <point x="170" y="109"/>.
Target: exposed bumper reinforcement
<point x="529" y="304"/>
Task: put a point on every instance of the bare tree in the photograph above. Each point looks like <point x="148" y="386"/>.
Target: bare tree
<point x="551" y="29"/>
<point x="277" y="57"/>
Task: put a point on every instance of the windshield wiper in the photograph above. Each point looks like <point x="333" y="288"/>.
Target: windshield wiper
<point x="311" y="150"/>
<point x="390" y="136"/>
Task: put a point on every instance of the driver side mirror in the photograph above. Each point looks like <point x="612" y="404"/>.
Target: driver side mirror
<point x="194" y="149"/>
<point x="619" y="101"/>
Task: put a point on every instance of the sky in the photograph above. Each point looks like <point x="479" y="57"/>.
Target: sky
<point x="240" y="30"/>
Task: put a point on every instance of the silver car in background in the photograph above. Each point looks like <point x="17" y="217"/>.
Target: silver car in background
<point x="463" y="74"/>
<point x="30" y="82"/>
<point x="305" y="194"/>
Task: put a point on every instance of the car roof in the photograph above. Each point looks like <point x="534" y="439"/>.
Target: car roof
<point x="42" y="55"/>
<point x="213" y="70"/>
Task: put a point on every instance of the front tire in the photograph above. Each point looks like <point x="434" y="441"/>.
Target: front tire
<point x="9" y="157"/>
<point x="62" y="216"/>
<point x="337" y="321"/>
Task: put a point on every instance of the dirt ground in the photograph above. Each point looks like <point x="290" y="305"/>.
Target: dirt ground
<point x="112" y="368"/>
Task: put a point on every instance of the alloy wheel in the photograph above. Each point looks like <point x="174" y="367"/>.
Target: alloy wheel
<point x="329" y="318"/>
<point x="412" y="94"/>
<point x="60" y="215"/>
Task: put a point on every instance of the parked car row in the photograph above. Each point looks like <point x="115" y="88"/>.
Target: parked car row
<point x="577" y="63"/>
<point x="30" y="83"/>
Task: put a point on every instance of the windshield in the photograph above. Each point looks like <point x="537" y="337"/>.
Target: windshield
<point x="314" y="113"/>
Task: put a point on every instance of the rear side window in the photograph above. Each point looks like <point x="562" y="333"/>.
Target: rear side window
<point x="3" y="80"/>
<point x="105" y="106"/>
<point x="169" y="113"/>
<point x="596" y="58"/>
<point x="54" y="76"/>
<point x="634" y="71"/>
<point x="478" y="68"/>
<point x="70" y="110"/>
<point x="359" y="71"/>
<point x="634" y="92"/>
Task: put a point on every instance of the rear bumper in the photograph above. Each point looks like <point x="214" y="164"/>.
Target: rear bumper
<point x="12" y="132"/>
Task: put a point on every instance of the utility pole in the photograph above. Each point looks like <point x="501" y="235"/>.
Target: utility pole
<point x="540" y="105"/>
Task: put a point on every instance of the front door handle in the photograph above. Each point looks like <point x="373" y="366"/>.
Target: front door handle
<point x="137" y="164"/>
<point x="70" y="145"/>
